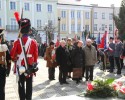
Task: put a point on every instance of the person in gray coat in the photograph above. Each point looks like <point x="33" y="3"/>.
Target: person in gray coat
<point x="111" y="51"/>
<point x="117" y="54"/>
<point x="90" y="59"/>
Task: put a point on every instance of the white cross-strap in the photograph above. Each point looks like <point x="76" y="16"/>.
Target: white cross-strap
<point x="22" y="56"/>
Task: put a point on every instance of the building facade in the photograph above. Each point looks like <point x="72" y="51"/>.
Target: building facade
<point x="74" y="19"/>
<point x="102" y="19"/>
<point x="94" y="19"/>
<point x="40" y="12"/>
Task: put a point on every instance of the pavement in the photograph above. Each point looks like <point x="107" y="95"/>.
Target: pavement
<point x="43" y="89"/>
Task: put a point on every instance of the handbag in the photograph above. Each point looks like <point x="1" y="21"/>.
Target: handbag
<point x="77" y="72"/>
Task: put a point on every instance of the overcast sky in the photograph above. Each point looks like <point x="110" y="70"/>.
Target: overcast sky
<point x="106" y="3"/>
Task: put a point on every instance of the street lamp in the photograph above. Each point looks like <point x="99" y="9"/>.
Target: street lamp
<point x="59" y="19"/>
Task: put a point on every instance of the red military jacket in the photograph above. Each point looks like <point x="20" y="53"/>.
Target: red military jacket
<point x="16" y="50"/>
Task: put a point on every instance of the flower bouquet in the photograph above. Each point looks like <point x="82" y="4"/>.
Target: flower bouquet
<point x="100" y="89"/>
<point x="119" y="86"/>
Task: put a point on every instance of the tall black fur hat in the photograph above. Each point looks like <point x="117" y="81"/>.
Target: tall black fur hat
<point x="24" y="25"/>
<point x="1" y="30"/>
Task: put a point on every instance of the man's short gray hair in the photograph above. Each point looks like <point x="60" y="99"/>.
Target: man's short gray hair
<point x="88" y="40"/>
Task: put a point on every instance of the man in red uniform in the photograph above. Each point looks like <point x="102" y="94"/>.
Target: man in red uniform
<point x="31" y="49"/>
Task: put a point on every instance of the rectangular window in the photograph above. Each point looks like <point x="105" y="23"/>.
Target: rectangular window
<point x="95" y="27"/>
<point x="87" y="28"/>
<point x="79" y="27"/>
<point x="103" y="27"/>
<point x="50" y="8"/>
<point x="0" y="22"/>
<point x="78" y="14"/>
<point x="0" y="5"/>
<point x="38" y="7"/>
<point x="72" y="14"/>
<point x="73" y="27"/>
<point x="26" y="6"/>
<point x="110" y="16"/>
<point x="50" y="22"/>
<point x="87" y="15"/>
<point x="63" y="27"/>
<point x="12" y="5"/>
<point x="110" y="27"/>
<point x="103" y="15"/>
<point x="39" y="23"/>
<point x="13" y="24"/>
<point x="63" y="14"/>
<point x="95" y="15"/>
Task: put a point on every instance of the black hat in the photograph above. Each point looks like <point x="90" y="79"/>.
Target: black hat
<point x="111" y="38"/>
<point x="1" y="30"/>
<point x="93" y="38"/>
<point x="24" y="25"/>
<point x="51" y="43"/>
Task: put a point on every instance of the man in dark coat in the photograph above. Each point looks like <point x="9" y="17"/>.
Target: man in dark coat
<point x="61" y="58"/>
<point x="78" y="59"/>
<point x="117" y="54"/>
<point x="111" y="54"/>
<point x="94" y="43"/>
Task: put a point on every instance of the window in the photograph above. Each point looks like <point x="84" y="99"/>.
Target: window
<point x="110" y="27"/>
<point x="26" y="6"/>
<point x="73" y="27"/>
<point x="39" y="23"/>
<point x="13" y="24"/>
<point x="87" y="15"/>
<point x="103" y="15"/>
<point x="103" y="27"/>
<point x="87" y="27"/>
<point x="50" y="8"/>
<point x="63" y="27"/>
<point x="95" y="15"/>
<point x="12" y="5"/>
<point x="0" y="4"/>
<point x="38" y="7"/>
<point x="79" y="27"/>
<point x="50" y="22"/>
<point x="110" y="16"/>
<point x="63" y="14"/>
<point x="95" y="27"/>
<point x="78" y="14"/>
<point x="0" y="22"/>
<point x="72" y="14"/>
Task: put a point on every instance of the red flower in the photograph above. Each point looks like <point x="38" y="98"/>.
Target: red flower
<point x="122" y="90"/>
<point x="89" y="87"/>
<point x="115" y="86"/>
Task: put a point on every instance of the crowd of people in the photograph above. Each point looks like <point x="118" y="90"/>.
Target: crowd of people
<point x="76" y="60"/>
<point x="70" y="56"/>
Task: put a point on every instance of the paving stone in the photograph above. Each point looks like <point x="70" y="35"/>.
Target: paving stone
<point x="52" y="90"/>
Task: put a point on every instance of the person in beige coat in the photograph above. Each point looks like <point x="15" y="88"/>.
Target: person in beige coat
<point x="51" y="61"/>
<point x="90" y="59"/>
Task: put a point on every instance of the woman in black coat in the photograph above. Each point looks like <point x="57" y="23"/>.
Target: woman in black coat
<point x="78" y="59"/>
